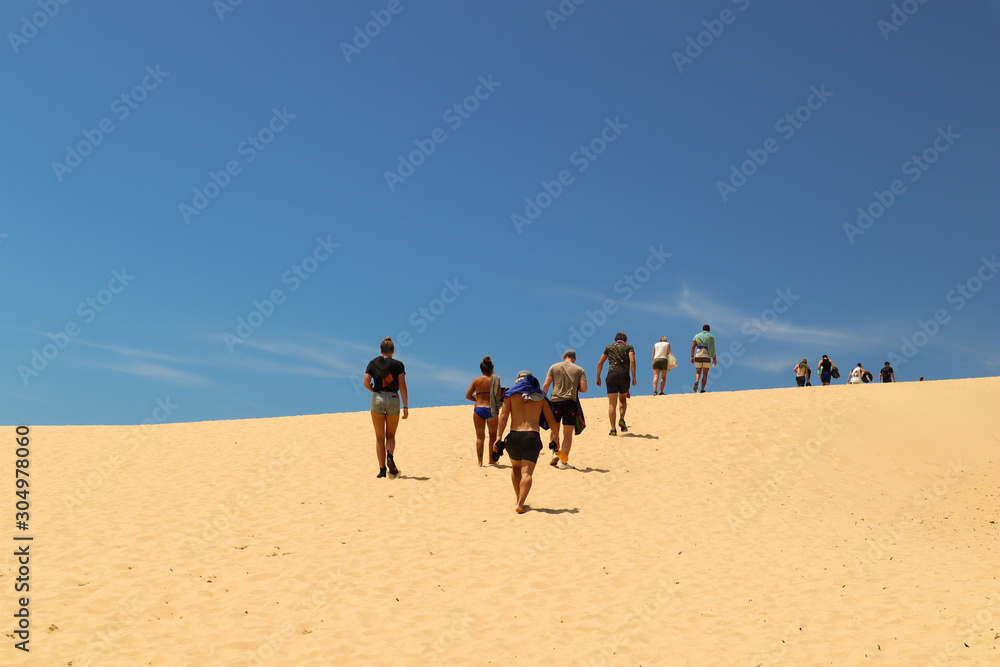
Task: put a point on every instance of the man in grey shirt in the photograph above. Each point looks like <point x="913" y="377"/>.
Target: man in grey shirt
<point x="567" y="381"/>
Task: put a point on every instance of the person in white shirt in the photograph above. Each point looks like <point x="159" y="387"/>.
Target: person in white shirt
<point x="661" y="364"/>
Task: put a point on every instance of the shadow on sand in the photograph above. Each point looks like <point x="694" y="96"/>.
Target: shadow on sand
<point x="415" y="479"/>
<point x="546" y="510"/>
<point x="648" y="436"/>
<point x="602" y="470"/>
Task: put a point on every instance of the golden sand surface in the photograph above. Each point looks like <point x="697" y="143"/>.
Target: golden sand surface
<point x="834" y="525"/>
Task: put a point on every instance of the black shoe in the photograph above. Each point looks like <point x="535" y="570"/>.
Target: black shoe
<point x="393" y="470"/>
<point x="381" y="473"/>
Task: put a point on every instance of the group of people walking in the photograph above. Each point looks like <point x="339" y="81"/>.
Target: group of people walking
<point x="528" y="406"/>
<point x="828" y="372"/>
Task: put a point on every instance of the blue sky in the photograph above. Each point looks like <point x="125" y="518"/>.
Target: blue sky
<point x="474" y="179"/>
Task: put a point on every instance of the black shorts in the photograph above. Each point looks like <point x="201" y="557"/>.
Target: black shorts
<point x="564" y="411"/>
<point x="617" y="382"/>
<point x="800" y="380"/>
<point x="523" y="446"/>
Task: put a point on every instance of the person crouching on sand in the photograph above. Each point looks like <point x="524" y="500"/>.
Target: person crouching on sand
<point x="385" y="377"/>
<point x="524" y="404"/>
<point x="482" y="416"/>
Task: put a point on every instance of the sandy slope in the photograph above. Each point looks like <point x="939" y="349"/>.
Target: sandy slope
<point x="839" y="525"/>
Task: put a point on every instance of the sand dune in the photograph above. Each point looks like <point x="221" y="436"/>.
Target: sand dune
<point x="839" y="525"/>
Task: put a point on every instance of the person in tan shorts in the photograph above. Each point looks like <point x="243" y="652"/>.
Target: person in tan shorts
<point x="702" y="356"/>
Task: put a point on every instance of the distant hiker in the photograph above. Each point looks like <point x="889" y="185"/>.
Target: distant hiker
<point x="663" y="361"/>
<point x="703" y="356"/>
<point x="482" y="415"/>
<point x="886" y="374"/>
<point x="621" y="362"/>
<point x="826" y="369"/>
<point x="385" y="377"/>
<point x="801" y="372"/>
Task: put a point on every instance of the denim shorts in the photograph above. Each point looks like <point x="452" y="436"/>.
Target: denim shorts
<point x="385" y="403"/>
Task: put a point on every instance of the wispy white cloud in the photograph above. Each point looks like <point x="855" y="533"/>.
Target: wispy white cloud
<point x="146" y="369"/>
<point x="701" y="308"/>
<point x="321" y="356"/>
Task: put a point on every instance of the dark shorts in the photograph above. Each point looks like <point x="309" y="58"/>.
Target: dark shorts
<point x="617" y="382"/>
<point x="564" y="412"/>
<point x="661" y="364"/>
<point x="801" y="380"/>
<point x="523" y="446"/>
<point x="825" y="377"/>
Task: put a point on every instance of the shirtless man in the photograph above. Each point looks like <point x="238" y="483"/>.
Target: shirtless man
<point x="523" y="404"/>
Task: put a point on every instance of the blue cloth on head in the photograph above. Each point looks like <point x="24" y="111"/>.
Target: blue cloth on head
<point x="529" y="385"/>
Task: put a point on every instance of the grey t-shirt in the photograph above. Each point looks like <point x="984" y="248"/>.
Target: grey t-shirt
<point x="566" y="377"/>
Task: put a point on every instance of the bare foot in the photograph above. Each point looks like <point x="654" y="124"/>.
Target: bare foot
<point x="519" y="509"/>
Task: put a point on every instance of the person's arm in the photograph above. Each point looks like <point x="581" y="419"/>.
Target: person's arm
<point x="654" y="355"/>
<point x="501" y="422"/>
<point x="471" y="394"/>
<point x="548" y="382"/>
<point x="893" y="376"/>
<point x="551" y="418"/>
<point x="631" y="363"/>
<point x="582" y="389"/>
<point x="694" y="343"/>
<point x="368" y="383"/>
<point x="668" y="351"/>
<point x="600" y="365"/>
<point x="402" y="394"/>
